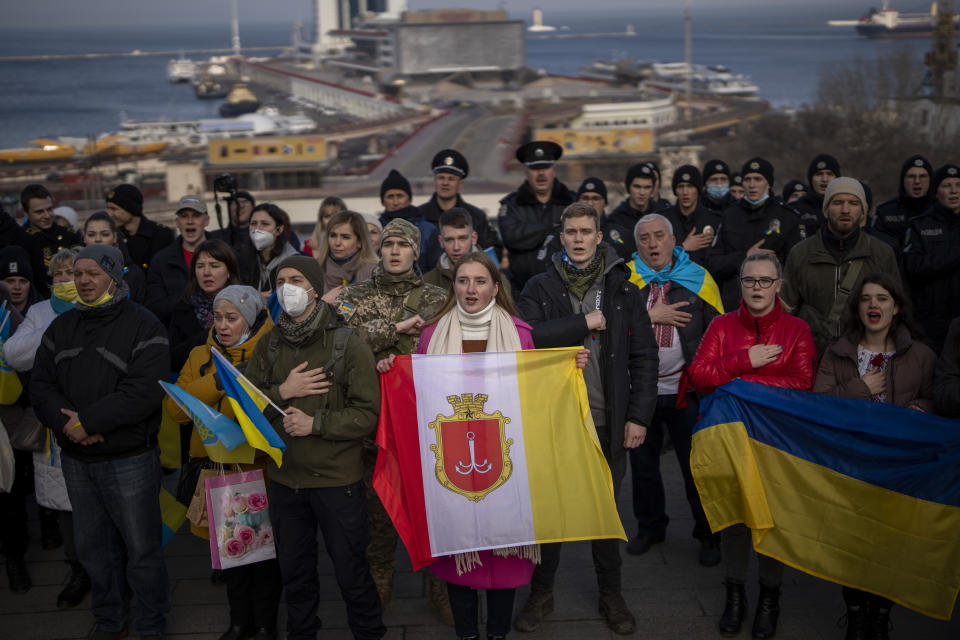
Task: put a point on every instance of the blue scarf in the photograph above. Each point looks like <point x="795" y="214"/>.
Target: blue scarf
<point x="684" y="272"/>
<point x="59" y="306"/>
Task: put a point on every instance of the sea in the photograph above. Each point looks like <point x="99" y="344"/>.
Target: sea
<point x="783" y="47"/>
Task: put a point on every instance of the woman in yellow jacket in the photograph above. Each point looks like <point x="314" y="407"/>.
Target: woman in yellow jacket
<point x="239" y="321"/>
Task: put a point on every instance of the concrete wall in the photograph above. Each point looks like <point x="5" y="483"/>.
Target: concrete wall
<point x="436" y="48"/>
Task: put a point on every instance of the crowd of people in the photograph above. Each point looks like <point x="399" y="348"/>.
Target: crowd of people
<point x="811" y="288"/>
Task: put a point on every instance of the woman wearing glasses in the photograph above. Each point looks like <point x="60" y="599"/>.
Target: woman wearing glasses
<point x="759" y="342"/>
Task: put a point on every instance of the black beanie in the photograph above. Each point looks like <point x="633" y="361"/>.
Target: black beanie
<point x="941" y="174"/>
<point x="791" y="187"/>
<point x="915" y="161"/>
<point x="308" y="266"/>
<point x="15" y="261"/>
<point x="713" y="167"/>
<point x="246" y="196"/>
<point x="127" y="197"/>
<point x="641" y="170"/>
<point x="687" y="173"/>
<point x="395" y="180"/>
<point x="758" y="165"/>
<point x="593" y="185"/>
<point x="823" y="162"/>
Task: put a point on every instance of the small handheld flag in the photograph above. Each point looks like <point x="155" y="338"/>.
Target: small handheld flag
<point x="212" y="425"/>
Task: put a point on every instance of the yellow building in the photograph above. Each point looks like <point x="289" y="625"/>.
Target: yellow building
<point x="267" y="150"/>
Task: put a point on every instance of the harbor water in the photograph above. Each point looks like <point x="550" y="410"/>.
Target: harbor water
<point x="781" y="49"/>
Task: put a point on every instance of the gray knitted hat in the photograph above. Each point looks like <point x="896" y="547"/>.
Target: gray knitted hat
<point x="246" y="299"/>
<point x="109" y="258"/>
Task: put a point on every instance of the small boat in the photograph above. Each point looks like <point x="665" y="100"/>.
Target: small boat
<point x="43" y="149"/>
<point x="714" y="80"/>
<point x="239" y="101"/>
<point x="180" y="70"/>
<point x="209" y="89"/>
<point x="890" y="23"/>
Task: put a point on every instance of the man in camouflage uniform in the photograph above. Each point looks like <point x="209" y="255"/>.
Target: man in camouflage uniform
<point x="387" y="312"/>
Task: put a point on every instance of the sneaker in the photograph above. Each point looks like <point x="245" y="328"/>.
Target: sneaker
<point x="616" y="614"/>
<point x="539" y="604"/>
<point x="77" y="587"/>
<point x="642" y="543"/>
<point x="18" y="576"/>
<point x="710" y="555"/>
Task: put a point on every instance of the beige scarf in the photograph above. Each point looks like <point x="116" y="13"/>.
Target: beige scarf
<point x="492" y="323"/>
<point x="496" y="325"/>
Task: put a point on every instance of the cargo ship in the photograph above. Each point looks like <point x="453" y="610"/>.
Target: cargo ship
<point x="891" y="23"/>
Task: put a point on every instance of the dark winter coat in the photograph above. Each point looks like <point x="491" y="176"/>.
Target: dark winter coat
<point x="42" y="246"/>
<point x="618" y="226"/>
<point x="531" y="229"/>
<point x="698" y="220"/>
<point x="103" y="362"/>
<point x="147" y="242"/>
<point x="946" y="379"/>
<point x="809" y="209"/>
<point x="630" y="364"/>
<point x="185" y="333"/>
<point x="931" y="260"/>
<point x="167" y="280"/>
<point x="487" y="236"/>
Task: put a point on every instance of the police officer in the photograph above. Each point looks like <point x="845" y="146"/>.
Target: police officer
<point x="450" y="169"/>
<point x="914" y="198"/>
<point x="793" y="191"/>
<point x="931" y="257"/>
<point x="529" y="217"/>
<point x="593" y="191"/>
<point x="641" y="184"/>
<point x="716" y="185"/>
<point x="694" y="226"/>
<point x="756" y="223"/>
<point x="736" y="187"/>
<point x="823" y="169"/>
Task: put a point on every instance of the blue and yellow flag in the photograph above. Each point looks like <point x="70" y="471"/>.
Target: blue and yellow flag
<point x="172" y="514"/>
<point x="10" y="385"/>
<point x="683" y="271"/>
<point x="248" y="403"/>
<point x="860" y="493"/>
<point x="212" y="426"/>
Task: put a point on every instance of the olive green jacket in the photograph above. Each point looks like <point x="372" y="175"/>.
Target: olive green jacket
<point x="342" y="418"/>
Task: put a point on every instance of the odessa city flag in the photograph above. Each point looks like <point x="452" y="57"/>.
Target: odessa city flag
<point x="864" y="494"/>
<point x="491" y="450"/>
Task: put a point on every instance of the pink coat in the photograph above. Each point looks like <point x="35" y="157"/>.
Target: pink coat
<point x="496" y="572"/>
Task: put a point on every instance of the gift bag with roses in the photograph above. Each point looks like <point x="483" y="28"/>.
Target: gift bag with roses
<point x="240" y="529"/>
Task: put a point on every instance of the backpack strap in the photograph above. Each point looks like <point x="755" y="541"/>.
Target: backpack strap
<point x="338" y="361"/>
<point x="843" y="293"/>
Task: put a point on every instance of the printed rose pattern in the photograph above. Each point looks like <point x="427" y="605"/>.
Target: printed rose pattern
<point x="246" y="527"/>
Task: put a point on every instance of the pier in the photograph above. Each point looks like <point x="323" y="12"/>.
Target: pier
<point x="136" y="53"/>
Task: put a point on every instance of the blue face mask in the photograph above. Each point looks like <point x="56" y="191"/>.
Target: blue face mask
<point x="717" y="191"/>
<point x="243" y="338"/>
<point x="756" y="202"/>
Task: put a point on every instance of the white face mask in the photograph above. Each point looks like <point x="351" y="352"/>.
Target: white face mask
<point x="261" y="239"/>
<point x="293" y="299"/>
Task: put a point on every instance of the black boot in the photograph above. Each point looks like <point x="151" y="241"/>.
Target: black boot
<point x="879" y="624"/>
<point x="768" y="610"/>
<point x="858" y="614"/>
<point x="77" y="587"/>
<point x="735" y="610"/>
<point x="50" y="537"/>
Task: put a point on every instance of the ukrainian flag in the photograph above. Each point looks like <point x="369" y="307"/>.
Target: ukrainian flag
<point x="172" y="514"/>
<point x="212" y="426"/>
<point x="683" y="271"/>
<point x="860" y="493"/>
<point x="248" y="403"/>
<point x="10" y="386"/>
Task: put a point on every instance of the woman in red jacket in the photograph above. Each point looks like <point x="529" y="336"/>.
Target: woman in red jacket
<point x="759" y="342"/>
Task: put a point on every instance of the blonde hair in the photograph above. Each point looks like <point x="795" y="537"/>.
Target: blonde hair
<point x="358" y="226"/>
<point x="330" y="202"/>
<point x="67" y="256"/>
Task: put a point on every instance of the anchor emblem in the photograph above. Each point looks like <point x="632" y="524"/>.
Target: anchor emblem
<point x="473" y="466"/>
<point x="472" y="450"/>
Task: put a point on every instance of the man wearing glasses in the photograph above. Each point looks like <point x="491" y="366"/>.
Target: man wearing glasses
<point x="823" y="269"/>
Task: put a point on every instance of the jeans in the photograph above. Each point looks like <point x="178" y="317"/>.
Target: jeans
<point x="341" y="515"/>
<point x="463" y="603"/>
<point x="648" y="495"/>
<point x="116" y="508"/>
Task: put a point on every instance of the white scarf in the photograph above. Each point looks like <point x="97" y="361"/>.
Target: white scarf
<point x="492" y="324"/>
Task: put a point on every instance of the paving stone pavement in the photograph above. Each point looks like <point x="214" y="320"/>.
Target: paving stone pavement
<point x="671" y="595"/>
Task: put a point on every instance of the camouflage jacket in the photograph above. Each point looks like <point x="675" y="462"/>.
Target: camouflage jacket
<point x="373" y="307"/>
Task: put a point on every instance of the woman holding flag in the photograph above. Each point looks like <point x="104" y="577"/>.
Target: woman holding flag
<point x="759" y="342"/>
<point x="479" y="315"/>
<point x="239" y="322"/>
<point x="879" y="358"/>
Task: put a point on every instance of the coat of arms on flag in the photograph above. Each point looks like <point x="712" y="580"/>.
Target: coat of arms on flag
<point x="472" y="449"/>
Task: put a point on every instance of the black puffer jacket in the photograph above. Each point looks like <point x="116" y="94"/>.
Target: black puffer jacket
<point x="531" y="229"/>
<point x="931" y="260"/>
<point x="618" y="226"/>
<point x="103" y="362"/>
<point x="629" y="365"/>
<point x="147" y="242"/>
<point x="809" y="208"/>
<point x="167" y="279"/>
<point x="743" y="226"/>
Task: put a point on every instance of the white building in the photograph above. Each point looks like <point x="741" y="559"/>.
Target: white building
<point x="647" y="113"/>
